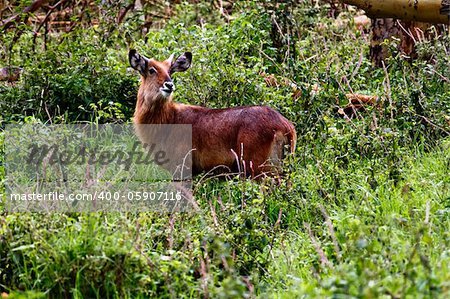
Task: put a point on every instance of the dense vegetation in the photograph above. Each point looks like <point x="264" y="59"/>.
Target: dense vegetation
<point x="364" y="210"/>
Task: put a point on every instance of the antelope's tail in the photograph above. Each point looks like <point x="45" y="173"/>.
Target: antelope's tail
<point x="290" y="139"/>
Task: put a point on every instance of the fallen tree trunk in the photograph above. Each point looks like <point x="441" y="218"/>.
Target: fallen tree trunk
<point x="430" y="11"/>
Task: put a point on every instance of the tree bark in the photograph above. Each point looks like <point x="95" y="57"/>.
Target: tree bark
<point x="408" y="32"/>
<point x="430" y="11"/>
<point x="381" y="29"/>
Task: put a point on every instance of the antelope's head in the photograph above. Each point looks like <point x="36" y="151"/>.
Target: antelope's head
<point x="156" y="81"/>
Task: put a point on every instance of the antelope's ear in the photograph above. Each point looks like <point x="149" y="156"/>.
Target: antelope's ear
<point x="138" y="62"/>
<point x="182" y="63"/>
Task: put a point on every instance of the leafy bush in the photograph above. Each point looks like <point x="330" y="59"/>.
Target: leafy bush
<point x="65" y="80"/>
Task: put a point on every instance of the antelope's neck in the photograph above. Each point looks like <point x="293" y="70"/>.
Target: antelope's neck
<point x="156" y="111"/>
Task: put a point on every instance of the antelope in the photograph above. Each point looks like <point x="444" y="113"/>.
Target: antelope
<point x="252" y="140"/>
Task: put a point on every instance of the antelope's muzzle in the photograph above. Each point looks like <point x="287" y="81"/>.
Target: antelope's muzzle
<point x="167" y="88"/>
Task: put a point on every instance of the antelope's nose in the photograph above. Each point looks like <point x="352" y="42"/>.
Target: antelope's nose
<point x="169" y="86"/>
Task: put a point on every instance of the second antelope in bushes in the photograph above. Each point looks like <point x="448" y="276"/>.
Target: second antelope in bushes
<point x="252" y="139"/>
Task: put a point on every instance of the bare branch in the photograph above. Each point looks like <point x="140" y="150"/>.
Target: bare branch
<point x="123" y="12"/>
<point x="17" y="18"/>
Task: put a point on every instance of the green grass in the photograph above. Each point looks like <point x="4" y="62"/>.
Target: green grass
<point x="393" y="239"/>
<point x="364" y="209"/>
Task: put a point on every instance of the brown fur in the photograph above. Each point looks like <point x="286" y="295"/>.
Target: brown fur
<point x="250" y="139"/>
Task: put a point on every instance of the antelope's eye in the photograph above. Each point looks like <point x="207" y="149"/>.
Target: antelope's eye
<point x="152" y="70"/>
